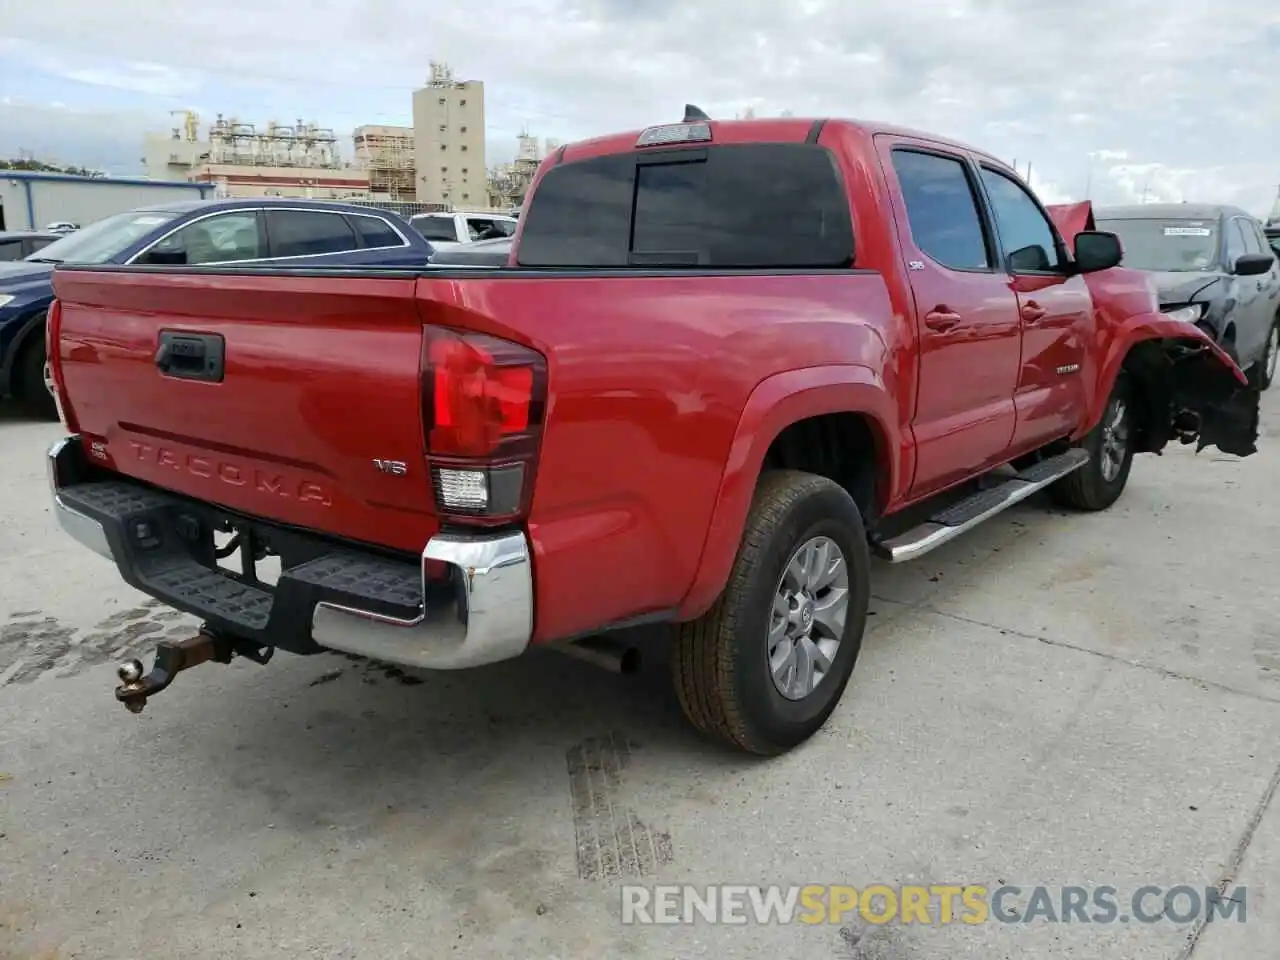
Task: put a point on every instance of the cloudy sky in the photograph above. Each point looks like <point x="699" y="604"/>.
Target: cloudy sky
<point x="1177" y="99"/>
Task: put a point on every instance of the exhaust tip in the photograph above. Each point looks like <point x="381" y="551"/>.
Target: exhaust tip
<point x="604" y="652"/>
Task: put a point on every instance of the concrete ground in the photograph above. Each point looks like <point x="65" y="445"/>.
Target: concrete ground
<point x="1054" y="699"/>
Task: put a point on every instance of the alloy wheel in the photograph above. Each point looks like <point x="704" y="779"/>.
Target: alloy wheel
<point x="1115" y="439"/>
<point x="808" y="617"/>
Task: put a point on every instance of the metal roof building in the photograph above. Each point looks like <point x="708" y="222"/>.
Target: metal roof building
<point x="30" y="200"/>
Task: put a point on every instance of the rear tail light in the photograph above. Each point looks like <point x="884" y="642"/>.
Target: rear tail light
<point x="482" y="409"/>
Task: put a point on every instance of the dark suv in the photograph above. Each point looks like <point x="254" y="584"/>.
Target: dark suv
<point x="1213" y="266"/>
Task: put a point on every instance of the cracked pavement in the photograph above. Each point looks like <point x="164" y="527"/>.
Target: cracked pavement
<point x="1052" y="699"/>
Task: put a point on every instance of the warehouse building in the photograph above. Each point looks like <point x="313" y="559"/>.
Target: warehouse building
<point x="31" y="201"/>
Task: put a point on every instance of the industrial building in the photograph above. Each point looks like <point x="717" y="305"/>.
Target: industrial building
<point x="448" y="140"/>
<point x="239" y="159"/>
<point x="31" y="201"/>
<point x="509" y="181"/>
<point x="386" y="155"/>
<point x="439" y="163"/>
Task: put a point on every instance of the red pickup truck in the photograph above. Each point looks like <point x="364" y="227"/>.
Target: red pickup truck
<point x="722" y="361"/>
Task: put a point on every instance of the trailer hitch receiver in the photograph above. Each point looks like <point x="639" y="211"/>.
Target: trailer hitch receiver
<point x="173" y="657"/>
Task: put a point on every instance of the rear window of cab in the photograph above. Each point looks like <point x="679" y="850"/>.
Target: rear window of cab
<point x="747" y="206"/>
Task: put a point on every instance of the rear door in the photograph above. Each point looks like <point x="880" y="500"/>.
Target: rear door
<point x="967" y="314"/>
<point x="383" y="242"/>
<point x="1054" y="308"/>
<point x="300" y="235"/>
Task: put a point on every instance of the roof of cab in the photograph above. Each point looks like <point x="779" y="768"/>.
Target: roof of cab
<point x="770" y="130"/>
<point x="1170" y="211"/>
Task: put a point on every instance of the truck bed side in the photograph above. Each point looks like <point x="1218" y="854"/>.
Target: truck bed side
<point x="649" y="377"/>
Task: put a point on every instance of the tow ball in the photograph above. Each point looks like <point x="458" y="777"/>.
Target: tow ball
<point x="171" y="658"/>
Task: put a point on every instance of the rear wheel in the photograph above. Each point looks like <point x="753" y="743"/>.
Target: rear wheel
<point x="1263" y="372"/>
<point x="764" y="668"/>
<point x="33" y="393"/>
<point x="1099" y="483"/>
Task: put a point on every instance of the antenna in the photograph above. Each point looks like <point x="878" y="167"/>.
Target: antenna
<point x="693" y="114"/>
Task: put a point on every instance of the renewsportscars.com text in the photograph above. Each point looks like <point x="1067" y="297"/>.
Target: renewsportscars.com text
<point x="937" y="904"/>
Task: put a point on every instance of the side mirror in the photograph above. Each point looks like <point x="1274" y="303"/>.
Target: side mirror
<point x="1252" y="264"/>
<point x="1097" y="250"/>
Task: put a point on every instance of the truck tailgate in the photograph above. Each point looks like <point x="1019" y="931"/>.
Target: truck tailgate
<point x="319" y="379"/>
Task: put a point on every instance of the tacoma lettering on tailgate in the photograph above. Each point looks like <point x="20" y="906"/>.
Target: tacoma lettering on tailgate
<point x="229" y="472"/>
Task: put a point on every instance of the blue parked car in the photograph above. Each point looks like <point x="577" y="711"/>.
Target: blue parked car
<point x="303" y="233"/>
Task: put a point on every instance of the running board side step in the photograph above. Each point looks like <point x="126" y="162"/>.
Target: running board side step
<point x="968" y="513"/>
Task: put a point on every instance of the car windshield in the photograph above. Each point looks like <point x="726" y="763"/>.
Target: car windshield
<point x="101" y="241"/>
<point x="1176" y="246"/>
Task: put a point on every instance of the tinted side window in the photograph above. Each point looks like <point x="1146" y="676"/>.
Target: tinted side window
<point x="306" y="233"/>
<point x="39" y="243"/>
<point x="436" y="228"/>
<point x="580" y="215"/>
<point x="11" y="249"/>
<point x="756" y="206"/>
<point x="1264" y="245"/>
<point x="1250" y="235"/>
<point x="229" y="237"/>
<point x="1235" y="246"/>
<point x="942" y="209"/>
<point x="1026" y="235"/>
<point x="376" y="232"/>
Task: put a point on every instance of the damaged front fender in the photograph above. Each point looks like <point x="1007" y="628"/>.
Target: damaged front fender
<point x="1185" y="385"/>
<point x="1189" y="390"/>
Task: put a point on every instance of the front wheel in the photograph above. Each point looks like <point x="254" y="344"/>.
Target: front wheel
<point x="764" y="668"/>
<point x="1099" y="483"/>
<point x="1264" y="371"/>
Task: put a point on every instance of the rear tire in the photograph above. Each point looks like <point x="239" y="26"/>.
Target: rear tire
<point x="1099" y="483"/>
<point x="32" y="392"/>
<point x="764" y="668"/>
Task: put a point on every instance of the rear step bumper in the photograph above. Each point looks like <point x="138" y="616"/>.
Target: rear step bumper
<point x="336" y="597"/>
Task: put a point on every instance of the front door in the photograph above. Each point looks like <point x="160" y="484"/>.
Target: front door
<point x="1255" y="296"/>
<point x="966" y="314"/>
<point x="1055" y="310"/>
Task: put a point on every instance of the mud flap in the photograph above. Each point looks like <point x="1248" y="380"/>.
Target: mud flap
<point x="1196" y="397"/>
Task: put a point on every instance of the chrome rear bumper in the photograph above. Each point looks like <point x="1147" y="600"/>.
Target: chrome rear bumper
<point x="491" y="619"/>
<point x="486" y="617"/>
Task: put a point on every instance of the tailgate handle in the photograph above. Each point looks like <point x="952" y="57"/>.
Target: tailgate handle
<point x="191" y="356"/>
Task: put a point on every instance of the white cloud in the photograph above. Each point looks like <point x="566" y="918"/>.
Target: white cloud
<point x="1168" y="96"/>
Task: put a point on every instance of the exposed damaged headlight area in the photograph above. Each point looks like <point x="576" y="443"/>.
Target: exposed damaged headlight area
<point x="1188" y="393"/>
